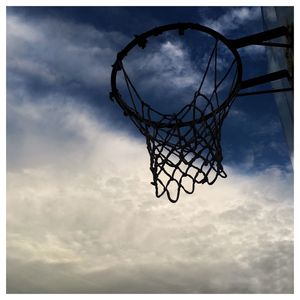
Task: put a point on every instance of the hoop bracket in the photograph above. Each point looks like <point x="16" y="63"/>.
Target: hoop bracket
<point x="282" y="74"/>
<point x="259" y="38"/>
<point x="262" y="39"/>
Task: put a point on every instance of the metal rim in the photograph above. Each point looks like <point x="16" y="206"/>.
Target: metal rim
<point x="155" y="32"/>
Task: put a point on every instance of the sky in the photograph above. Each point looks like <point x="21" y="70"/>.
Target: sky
<point x="82" y="216"/>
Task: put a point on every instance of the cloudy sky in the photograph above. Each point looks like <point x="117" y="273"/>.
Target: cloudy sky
<point x="82" y="216"/>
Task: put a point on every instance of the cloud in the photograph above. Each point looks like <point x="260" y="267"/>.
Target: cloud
<point x="59" y="52"/>
<point x="233" y="19"/>
<point x="170" y="69"/>
<point x="238" y="19"/>
<point x="75" y="58"/>
<point x="81" y="212"/>
<point x="173" y="63"/>
<point x="90" y="217"/>
<point x="163" y="68"/>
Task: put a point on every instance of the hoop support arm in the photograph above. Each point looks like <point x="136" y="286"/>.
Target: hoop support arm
<point x="264" y="79"/>
<point x="271" y="91"/>
<point x="259" y="38"/>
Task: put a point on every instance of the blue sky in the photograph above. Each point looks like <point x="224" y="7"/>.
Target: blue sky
<point x="79" y="169"/>
<point x="260" y="136"/>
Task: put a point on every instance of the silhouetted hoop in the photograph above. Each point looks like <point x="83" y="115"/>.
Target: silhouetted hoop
<point x="141" y="41"/>
<point x="185" y="147"/>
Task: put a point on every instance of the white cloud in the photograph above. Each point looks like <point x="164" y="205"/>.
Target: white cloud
<point x="81" y="213"/>
<point x="167" y="69"/>
<point x="238" y="18"/>
<point x="71" y="55"/>
<point x="20" y="30"/>
<point x="168" y="73"/>
<point x="60" y="52"/>
<point x="233" y="19"/>
<point x="92" y="218"/>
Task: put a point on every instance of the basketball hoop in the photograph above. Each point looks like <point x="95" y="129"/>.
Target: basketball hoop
<point x="185" y="147"/>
